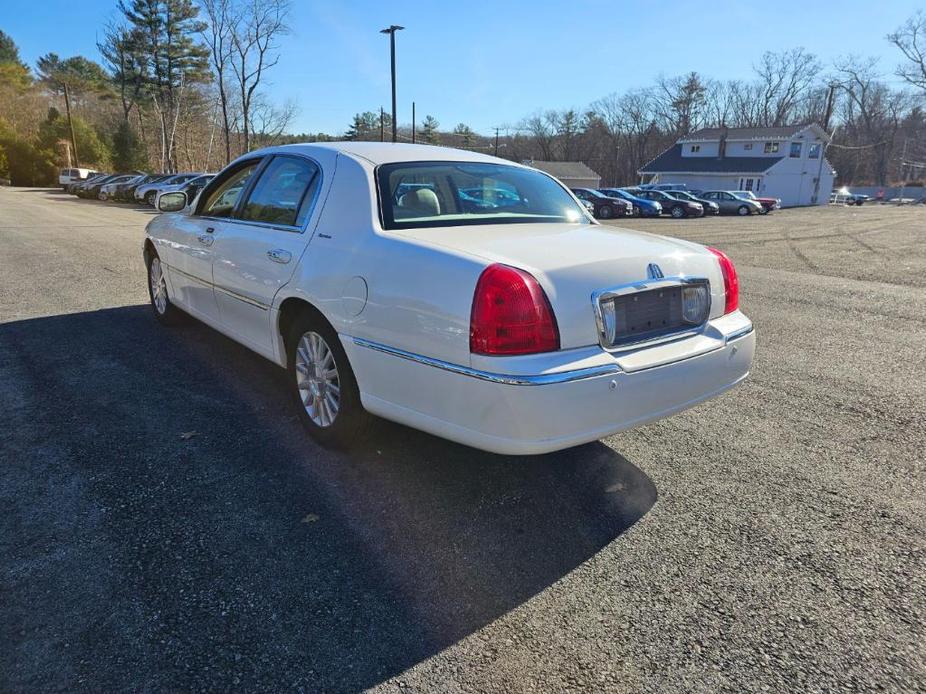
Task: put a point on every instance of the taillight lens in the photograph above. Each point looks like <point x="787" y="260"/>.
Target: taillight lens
<point x="731" y="283"/>
<point x="511" y="314"/>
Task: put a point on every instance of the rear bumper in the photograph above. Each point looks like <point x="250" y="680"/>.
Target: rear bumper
<point x="538" y="413"/>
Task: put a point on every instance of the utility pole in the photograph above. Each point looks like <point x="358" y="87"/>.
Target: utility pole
<point x="903" y="172"/>
<point x="496" y="142"/>
<point x="382" y="127"/>
<point x="67" y="106"/>
<point x="413" y="122"/>
<point x="391" y="30"/>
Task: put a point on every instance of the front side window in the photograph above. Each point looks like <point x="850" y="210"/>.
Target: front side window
<point x="431" y="194"/>
<point x="284" y="192"/>
<point x="221" y="200"/>
<point x="771" y="147"/>
<point x="795" y="150"/>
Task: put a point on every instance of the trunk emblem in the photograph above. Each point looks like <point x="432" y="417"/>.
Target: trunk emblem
<point x="654" y="272"/>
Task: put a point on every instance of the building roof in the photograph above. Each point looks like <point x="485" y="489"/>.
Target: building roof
<point x="672" y="161"/>
<point x="777" y="133"/>
<point x="564" y="169"/>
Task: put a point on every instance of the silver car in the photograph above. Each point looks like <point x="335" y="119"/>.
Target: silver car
<point x="730" y="203"/>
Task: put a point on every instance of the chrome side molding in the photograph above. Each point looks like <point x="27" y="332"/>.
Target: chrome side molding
<point x="506" y="379"/>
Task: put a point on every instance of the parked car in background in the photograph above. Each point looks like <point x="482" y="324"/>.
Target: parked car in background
<point x="68" y="176"/>
<point x="191" y="187"/>
<point x="641" y="206"/>
<point x="75" y="187"/>
<point x="471" y="325"/>
<point x="663" y="186"/>
<point x="149" y="191"/>
<point x="768" y="204"/>
<point x="126" y="191"/>
<point x="90" y="189"/>
<point x="711" y="208"/>
<point x="108" y="189"/>
<point x="605" y="207"/>
<point x="671" y="205"/>
<point x="730" y="203"/>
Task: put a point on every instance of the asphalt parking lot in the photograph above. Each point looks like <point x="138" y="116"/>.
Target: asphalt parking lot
<point x="168" y="526"/>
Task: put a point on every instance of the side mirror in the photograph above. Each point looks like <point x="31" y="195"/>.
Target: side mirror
<point x="172" y="202"/>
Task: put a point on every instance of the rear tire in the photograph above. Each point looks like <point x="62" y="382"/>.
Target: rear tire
<point x="605" y="212"/>
<point x="323" y="384"/>
<point x="677" y="212"/>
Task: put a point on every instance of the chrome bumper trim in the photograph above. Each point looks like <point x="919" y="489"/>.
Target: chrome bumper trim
<point x="506" y="379"/>
<point x="737" y="334"/>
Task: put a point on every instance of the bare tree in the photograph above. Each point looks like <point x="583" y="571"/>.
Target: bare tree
<point x="219" y="37"/>
<point x="784" y="78"/>
<point x="910" y="38"/>
<point x="257" y="26"/>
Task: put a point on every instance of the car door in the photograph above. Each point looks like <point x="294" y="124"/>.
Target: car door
<point x="259" y="249"/>
<point x="193" y="237"/>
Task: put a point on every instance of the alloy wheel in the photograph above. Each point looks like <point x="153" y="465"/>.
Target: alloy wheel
<point x="317" y="379"/>
<point x="158" y="286"/>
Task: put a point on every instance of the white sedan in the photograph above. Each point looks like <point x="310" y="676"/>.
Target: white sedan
<point x="453" y="292"/>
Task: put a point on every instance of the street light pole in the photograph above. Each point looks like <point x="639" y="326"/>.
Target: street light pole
<point x="391" y="30"/>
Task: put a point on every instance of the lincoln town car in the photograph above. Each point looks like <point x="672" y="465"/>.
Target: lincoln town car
<point x="454" y="292"/>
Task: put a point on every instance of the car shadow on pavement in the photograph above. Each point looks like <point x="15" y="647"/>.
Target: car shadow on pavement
<point x="168" y="525"/>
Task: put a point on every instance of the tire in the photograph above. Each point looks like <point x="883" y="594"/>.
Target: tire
<point x="328" y="404"/>
<point x="104" y="196"/>
<point x="149" y="197"/>
<point x="677" y="212"/>
<point x="742" y="211"/>
<point x="605" y="212"/>
<point x="164" y="310"/>
<point x="635" y="211"/>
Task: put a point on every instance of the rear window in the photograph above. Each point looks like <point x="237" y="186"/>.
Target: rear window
<point x="416" y="195"/>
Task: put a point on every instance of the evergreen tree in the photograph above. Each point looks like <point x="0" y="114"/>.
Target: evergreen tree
<point x="467" y="136"/>
<point x="128" y="151"/>
<point x="429" y="132"/>
<point x="164" y="38"/>
<point x="9" y="51"/>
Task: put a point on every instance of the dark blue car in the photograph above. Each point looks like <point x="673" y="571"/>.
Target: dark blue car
<point x="641" y="206"/>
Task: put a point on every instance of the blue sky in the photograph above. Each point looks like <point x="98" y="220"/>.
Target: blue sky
<point x="492" y="63"/>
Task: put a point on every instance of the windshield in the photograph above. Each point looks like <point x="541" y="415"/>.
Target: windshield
<point x="416" y="195"/>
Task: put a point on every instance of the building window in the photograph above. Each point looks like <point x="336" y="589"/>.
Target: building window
<point x="813" y="152"/>
<point x="795" y="150"/>
<point x="747" y="146"/>
<point x="771" y="147"/>
<point x="695" y="148"/>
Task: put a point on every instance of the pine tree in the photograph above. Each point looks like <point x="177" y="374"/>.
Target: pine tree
<point x="429" y="132"/>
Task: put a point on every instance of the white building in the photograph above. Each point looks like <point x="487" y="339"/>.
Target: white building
<point x="782" y="162"/>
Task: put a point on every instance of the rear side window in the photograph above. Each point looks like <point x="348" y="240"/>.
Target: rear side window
<point x="284" y="192"/>
<point x="221" y="200"/>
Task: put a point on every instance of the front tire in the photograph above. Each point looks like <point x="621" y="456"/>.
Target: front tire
<point x="742" y="210"/>
<point x="164" y="310"/>
<point x="605" y="212"/>
<point x="324" y="385"/>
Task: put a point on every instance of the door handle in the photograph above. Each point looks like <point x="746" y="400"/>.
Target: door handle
<point x="279" y="256"/>
<point x="206" y="240"/>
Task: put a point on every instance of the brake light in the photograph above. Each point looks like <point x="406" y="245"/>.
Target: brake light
<point x="731" y="282"/>
<point x="511" y="314"/>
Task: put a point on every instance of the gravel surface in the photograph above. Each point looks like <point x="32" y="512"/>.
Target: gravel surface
<point x="166" y="524"/>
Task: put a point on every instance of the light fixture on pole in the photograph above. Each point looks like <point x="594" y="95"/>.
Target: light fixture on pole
<point x="391" y="30"/>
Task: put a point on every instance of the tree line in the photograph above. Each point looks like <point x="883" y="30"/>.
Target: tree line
<point x="182" y="86"/>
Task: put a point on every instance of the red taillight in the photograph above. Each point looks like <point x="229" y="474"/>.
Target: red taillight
<point x="511" y="314"/>
<point x="731" y="283"/>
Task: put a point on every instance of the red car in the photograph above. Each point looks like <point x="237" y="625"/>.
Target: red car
<point x="768" y="204"/>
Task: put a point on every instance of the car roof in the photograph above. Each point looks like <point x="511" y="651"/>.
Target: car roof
<point x="389" y="152"/>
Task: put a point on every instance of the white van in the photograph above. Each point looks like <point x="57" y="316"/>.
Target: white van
<point x="66" y="176"/>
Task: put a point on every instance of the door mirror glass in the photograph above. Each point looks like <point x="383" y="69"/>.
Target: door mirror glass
<point x="172" y="202"/>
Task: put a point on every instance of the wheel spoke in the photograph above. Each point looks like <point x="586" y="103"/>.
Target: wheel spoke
<point x="317" y="379"/>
